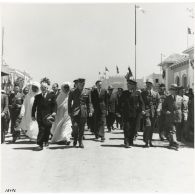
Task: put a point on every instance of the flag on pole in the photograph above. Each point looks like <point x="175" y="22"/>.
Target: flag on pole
<point x="189" y="31"/>
<point x="106" y="69"/>
<point x="141" y="9"/>
<point x="117" y="70"/>
<point x="130" y="73"/>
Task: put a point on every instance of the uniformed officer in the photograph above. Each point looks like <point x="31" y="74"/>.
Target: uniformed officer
<point x="131" y="102"/>
<point x="152" y="101"/>
<point x="79" y="102"/>
<point x="161" y="121"/>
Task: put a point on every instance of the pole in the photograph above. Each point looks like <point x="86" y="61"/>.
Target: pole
<point x="2" y="49"/>
<point x="135" y="43"/>
<point x="187" y="39"/>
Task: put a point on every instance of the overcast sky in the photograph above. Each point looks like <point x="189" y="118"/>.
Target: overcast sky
<point x="66" y="41"/>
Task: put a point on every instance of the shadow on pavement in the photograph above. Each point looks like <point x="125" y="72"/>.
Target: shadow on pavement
<point x="117" y="132"/>
<point x="60" y="147"/>
<point x="107" y="145"/>
<point x="26" y="148"/>
<point x="113" y="138"/>
<point x="21" y="142"/>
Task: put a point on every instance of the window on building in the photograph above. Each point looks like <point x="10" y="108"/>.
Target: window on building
<point x="156" y="80"/>
<point x="184" y="81"/>
<point x="177" y="80"/>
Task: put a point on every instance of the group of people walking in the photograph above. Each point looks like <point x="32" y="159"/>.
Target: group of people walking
<point x="62" y="114"/>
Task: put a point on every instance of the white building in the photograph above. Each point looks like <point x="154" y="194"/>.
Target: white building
<point x="179" y="69"/>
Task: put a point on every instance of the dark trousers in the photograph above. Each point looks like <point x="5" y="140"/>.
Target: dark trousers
<point x="3" y="129"/>
<point x="162" y="127"/>
<point x="138" y="122"/>
<point x="44" y="132"/>
<point x="110" y="120"/>
<point x="14" y="117"/>
<point x="148" y="128"/>
<point x="99" y="123"/>
<point x="172" y="129"/>
<point x="129" y="130"/>
<point x="119" y="122"/>
<point x="90" y="123"/>
<point x="78" y="124"/>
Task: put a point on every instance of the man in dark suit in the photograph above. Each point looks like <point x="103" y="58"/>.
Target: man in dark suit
<point x="45" y="108"/>
<point x="99" y="99"/>
<point x="15" y="104"/>
<point x="79" y="103"/>
<point x="152" y="102"/>
<point x="174" y="110"/>
<point x="56" y="91"/>
<point x="4" y="113"/>
<point x="131" y="104"/>
<point x="112" y="102"/>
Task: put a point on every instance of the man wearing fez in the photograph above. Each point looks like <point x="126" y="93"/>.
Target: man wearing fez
<point x="131" y="104"/>
<point x="161" y="121"/>
<point x="152" y="106"/>
<point x="174" y="109"/>
<point x="99" y="99"/>
<point x="79" y="102"/>
<point x="44" y="110"/>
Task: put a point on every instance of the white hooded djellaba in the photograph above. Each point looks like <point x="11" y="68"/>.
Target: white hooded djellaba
<point x="61" y="128"/>
<point x="27" y="123"/>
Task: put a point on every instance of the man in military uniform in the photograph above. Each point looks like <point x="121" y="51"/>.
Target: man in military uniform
<point x="161" y="121"/>
<point x="152" y="101"/>
<point x="79" y="102"/>
<point x="15" y="104"/>
<point x="131" y="102"/>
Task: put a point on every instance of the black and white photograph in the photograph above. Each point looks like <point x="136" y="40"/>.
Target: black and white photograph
<point x="97" y="97"/>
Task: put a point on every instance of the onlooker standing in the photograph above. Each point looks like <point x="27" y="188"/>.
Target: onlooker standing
<point x="4" y="113"/>
<point x="182" y="128"/>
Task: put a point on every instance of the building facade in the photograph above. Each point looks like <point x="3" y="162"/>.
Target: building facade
<point x="179" y="69"/>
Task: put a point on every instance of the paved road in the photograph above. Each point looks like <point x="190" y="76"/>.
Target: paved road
<point x="100" y="167"/>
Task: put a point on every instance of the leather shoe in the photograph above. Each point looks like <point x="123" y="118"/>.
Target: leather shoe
<point x="39" y="148"/>
<point x="81" y="145"/>
<point x="151" y="145"/>
<point x="127" y="145"/>
<point x="46" y="144"/>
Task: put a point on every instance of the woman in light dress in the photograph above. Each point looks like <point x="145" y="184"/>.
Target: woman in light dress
<point x="27" y="124"/>
<point x="61" y="128"/>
